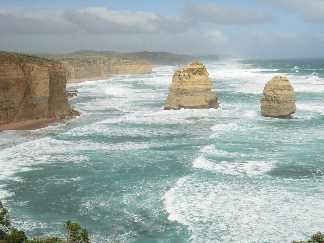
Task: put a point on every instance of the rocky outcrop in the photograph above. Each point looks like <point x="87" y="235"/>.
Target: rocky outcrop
<point x="160" y="58"/>
<point x="130" y="67"/>
<point x="191" y="88"/>
<point x="86" y="68"/>
<point x="72" y="93"/>
<point x="278" y="98"/>
<point x="31" y="89"/>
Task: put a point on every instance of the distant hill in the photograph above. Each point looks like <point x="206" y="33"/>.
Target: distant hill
<point x="209" y="58"/>
<point x="161" y="58"/>
<point x="155" y="58"/>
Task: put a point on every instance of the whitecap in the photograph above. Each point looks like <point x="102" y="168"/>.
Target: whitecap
<point x="220" y="129"/>
<point x="118" y="91"/>
<point x="224" y="127"/>
<point x="183" y="116"/>
<point x="250" y="114"/>
<point x="243" y="211"/>
<point x="311" y="106"/>
<point x="26" y="156"/>
<point x="235" y="76"/>
<point x="211" y="150"/>
<point x="249" y="168"/>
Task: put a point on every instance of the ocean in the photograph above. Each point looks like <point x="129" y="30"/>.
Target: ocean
<point x="129" y="171"/>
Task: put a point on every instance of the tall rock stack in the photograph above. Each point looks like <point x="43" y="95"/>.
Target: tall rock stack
<point x="191" y="88"/>
<point x="279" y="98"/>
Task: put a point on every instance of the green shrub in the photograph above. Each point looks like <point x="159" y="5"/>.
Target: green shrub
<point x="15" y="236"/>
<point x="76" y="234"/>
<point x="4" y="216"/>
<point x="46" y="240"/>
<point x="317" y="238"/>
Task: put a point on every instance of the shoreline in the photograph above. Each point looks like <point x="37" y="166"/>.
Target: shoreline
<point x="99" y="78"/>
<point x="82" y="80"/>
<point x="28" y="124"/>
<point x="35" y="124"/>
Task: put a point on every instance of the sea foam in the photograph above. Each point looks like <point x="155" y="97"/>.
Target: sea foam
<point x="242" y="78"/>
<point x="243" y="211"/>
<point x="233" y="168"/>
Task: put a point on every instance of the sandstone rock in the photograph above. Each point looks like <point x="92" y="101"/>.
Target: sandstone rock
<point x="125" y="67"/>
<point x="72" y="93"/>
<point x="32" y="88"/>
<point x="279" y="98"/>
<point x="191" y="88"/>
<point x="86" y="68"/>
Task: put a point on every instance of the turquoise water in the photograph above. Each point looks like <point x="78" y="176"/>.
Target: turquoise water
<point x="129" y="171"/>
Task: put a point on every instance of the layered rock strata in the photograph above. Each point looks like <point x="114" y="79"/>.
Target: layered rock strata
<point x="278" y="98"/>
<point x="86" y="68"/>
<point x="32" y="91"/>
<point x="191" y="88"/>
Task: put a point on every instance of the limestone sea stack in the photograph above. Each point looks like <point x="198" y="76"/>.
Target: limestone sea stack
<point x="278" y="98"/>
<point x="191" y="88"/>
<point x="32" y="91"/>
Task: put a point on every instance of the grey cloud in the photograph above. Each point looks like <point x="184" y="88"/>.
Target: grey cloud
<point x="89" y="20"/>
<point x="103" y="21"/>
<point x="217" y="14"/>
<point x="205" y="29"/>
<point x="20" y="23"/>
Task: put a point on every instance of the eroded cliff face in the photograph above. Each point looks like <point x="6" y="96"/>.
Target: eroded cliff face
<point x="191" y="88"/>
<point x="278" y="98"/>
<point x="100" y="67"/>
<point x="125" y="68"/>
<point x="32" y="88"/>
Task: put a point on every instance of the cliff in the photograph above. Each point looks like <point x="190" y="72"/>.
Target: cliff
<point x="32" y="91"/>
<point x="93" y="65"/>
<point x="278" y="98"/>
<point x="191" y="88"/>
<point x="154" y="58"/>
<point x="83" y="68"/>
<point x="160" y="58"/>
<point x="123" y="67"/>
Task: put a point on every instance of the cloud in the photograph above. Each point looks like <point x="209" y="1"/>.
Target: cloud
<point x="217" y="37"/>
<point x="18" y="22"/>
<point x="102" y="20"/>
<point x="310" y="11"/>
<point x="221" y="15"/>
<point x="197" y="29"/>
<point x="98" y="20"/>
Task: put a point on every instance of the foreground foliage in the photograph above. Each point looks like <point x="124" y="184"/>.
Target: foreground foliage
<point x="74" y="232"/>
<point x="317" y="238"/>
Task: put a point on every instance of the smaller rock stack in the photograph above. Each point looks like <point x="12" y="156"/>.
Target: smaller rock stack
<point x="191" y="88"/>
<point x="279" y="98"/>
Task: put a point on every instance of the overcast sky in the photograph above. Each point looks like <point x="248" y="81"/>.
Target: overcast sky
<point x="242" y="28"/>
